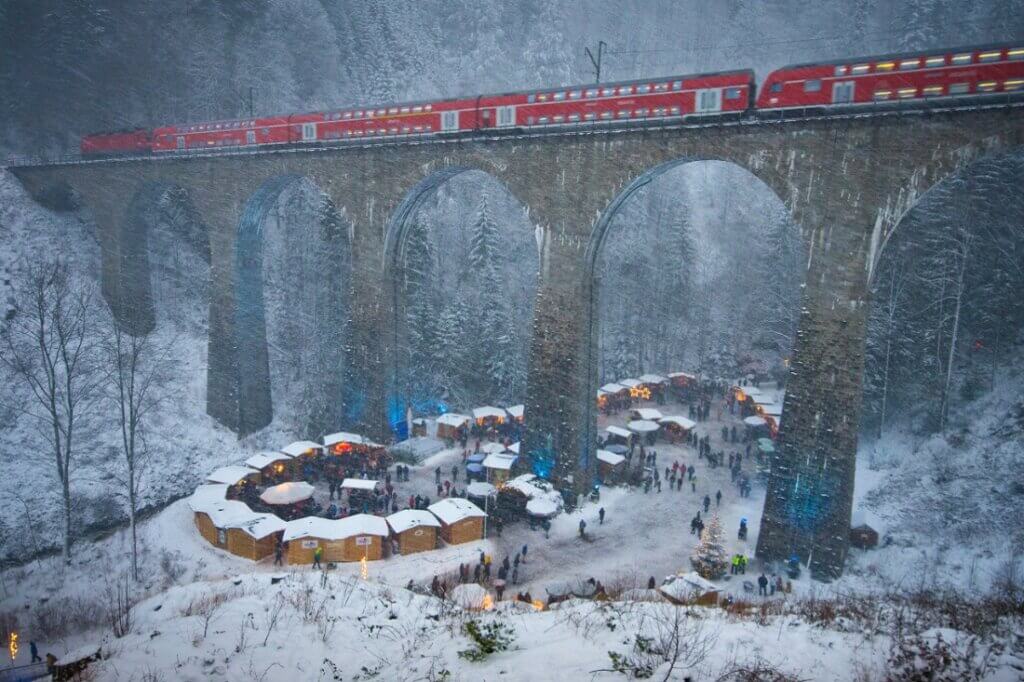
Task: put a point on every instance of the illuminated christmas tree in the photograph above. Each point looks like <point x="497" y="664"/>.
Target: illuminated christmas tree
<point x="710" y="558"/>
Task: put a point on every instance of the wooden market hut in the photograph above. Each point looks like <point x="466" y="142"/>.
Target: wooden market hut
<point x="516" y="412"/>
<point x="237" y="477"/>
<point x="646" y="413"/>
<point x="414" y="530"/>
<point x="675" y="427"/>
<point x="682" y="379"/>
<point x="499" y="467"/>
<point x="450" y="425"/>
<point x="612" y="396"/>
<point x="461" y="520"/>
<point x="215" y="520"/>
<point x="255" y="538"/>
<point x="344" y="444"/>
<point x="419" y="427"/>
<point x="610" y="466"/>
<point x="690" y="589"/>
<point x="489" y="415"/>
<point x="619" y="435"/>
<point x="273" y="467"/>
<point x="206" y="498"/>
<point x="349" y="539"/>
<point x="303" y="448"/>
<point x="864" y="537"/>
<point x="637" y="390"/>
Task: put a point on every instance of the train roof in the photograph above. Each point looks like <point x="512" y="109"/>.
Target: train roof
<point x="896" y="55"/>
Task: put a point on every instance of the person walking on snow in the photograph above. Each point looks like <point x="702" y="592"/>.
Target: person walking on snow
<point x="278" y="552"/>
<point x="718" y="499"/>
<point x="762" y="585"/>
<point x="583" y="528"/>
<point x="35" y="653"/>
<point x="317" y="555"/>
<point x="600" y="516"/>
<point x="707" y="503"/>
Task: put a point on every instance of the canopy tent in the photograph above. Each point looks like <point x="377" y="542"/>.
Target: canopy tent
<point x="543" y="507"/>
<point x="474" y="467"/>
<point x="302" y="447"/>
<point x="646" y="413"/>
<point x="359" y="484"/>
<point x="452" y="419"/>
<point x="610" y="458"/>
<point x="481" y="414"/>
<point x="407" y="519"/>
<point x="617" y="448"/>
<point x="514" y="448"/>
<point x="503" y="462"/>
<point x="643" y="426"/>
<point x="653" y="379"/>
<point x="751" y="391"/>
<point x="480" y="489"/>
<point x="619" y="431"/>
<point x="754" y="421"/>
<point x="262" y="460"/>
<point x="516" y="412"/>
<point x="614" y="388"/>
<point x="682" y="422"/>
<point x="491" y="448"/>
<point x="288" y="493"/>
<point x="231" y="474"/>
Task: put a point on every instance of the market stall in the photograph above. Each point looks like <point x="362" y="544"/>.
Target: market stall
<point x="676" y="427"/>
<point x="256" y="536"/>
<point x="273" y="467"/>
<point x="414" y="530"/>
<point x="349" y="539"/>
<point x="498" y="467"/>
<point x="516" y="412"/>
<point x="489" y="416"/>
<point x="355" y="449"/>
<point x="610" y="466"/>
<point x="461" y="520"/>
<point x="452" y="425"/>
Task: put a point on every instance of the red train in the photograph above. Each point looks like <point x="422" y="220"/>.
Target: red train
<point x="910" y="80"/>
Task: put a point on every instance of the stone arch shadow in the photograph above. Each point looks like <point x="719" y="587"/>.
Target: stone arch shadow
<point x="396" y="238"/>
<point x="586" y="448"/>
<point x="132" y="301"/>
<point x="252" y="365"/>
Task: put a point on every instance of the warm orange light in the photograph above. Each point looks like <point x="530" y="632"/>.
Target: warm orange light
<point x="342" y="448"/>
<point x="537" y="604"/>
<point x="279" y="467"/>
<point x="12" y="645"/>
<point x="487" y="603"/>
<point x="364" y="570"/>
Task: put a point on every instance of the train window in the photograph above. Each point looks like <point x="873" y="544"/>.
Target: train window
<point x="643" y="88"/>
<point x="932" y="62"/>
<point x="404" y="110"/>
<point x="734" y="93"/>
<point x="675" y="110"/>
<point x="1016" y="53"/>
<point x="530" y="120"/>
<point x="859" y="69"/>
<point x="813" y="85"/>
<point x="881" y="95"/>
<point x="575" y="94"/>
<point x="626" y="90"/>
<point x="624" y="113"/>
<point x="964" y="58"/>
<point x="381" y="112"/>
<point x="885" y="66"/>
<point x="417" y="109"/>
<point x="607" y="92"/>
<point x="987" y="86"/>
<point x="427" y="107"/>
<point x="640" y="113"/>
<point x="542" y="97"/>
<point x="605" y="115"/>
<point x="904" y="93"/>
<point x="559" y="118"/>
<point x="989" y="56"/>
<point x="909" y="64"/>
<point x="661" y="87"/>
<point x="1014" y="84"/>
<point x="840" y="71"/>
<point x="347" y="115"/>
<point x="933" y="91"/>
<point x="776" y="87"/>
<point x="593" y="92"/>
<point x="677" y="85"/>
<point x="369" y="113"/>
<point x="543" y="119"/>
<point x="590" y="116"/>
<point x="393" y="110"/>
<point x="558" y="96"/>
<point x="531" y="98"/>
<point x="405" y="129"/>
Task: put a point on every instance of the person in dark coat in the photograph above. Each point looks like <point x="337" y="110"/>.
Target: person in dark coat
<point x="651" y="584"/>
<point x="718" y="499"/>
<point x="278" y="552"/>
<point x="707" y="503"/>
<point x="600" y="516"/>
<point x="524" y="553"/>
<point x="583" y="528"/>
<point x="762" y="585"/>
<point x="35" y="652"/>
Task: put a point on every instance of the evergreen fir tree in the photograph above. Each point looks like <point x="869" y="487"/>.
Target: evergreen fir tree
<point x="710" y="558"/>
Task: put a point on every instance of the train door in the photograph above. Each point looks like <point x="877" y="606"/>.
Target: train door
<point x="506" y="117"/>
<point x="181" y="141"/>
<point x="449" y="121"/>
<point x="486" y="118"/>
<point x="308" y="132"/>
<point x="250" y="137"/>
<point x="842" y="92"/>
<point x="709" y="101"/>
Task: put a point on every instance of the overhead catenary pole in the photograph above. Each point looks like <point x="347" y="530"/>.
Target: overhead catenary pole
<point x="596" y="61"/>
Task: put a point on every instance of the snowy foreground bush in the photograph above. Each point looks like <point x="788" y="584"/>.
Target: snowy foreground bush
<point x="316" y="626"/>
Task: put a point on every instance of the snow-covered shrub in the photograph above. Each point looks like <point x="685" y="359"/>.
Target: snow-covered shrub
<point x="930" y="658"/>
<point x="486" y="638"/>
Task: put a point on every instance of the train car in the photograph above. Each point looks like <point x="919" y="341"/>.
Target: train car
<point x="119" y="143"/>
<point x="912" y="80"/>
<point x="215" y="135"/>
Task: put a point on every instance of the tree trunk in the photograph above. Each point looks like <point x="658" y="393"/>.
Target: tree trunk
<point x="953" y="339"/>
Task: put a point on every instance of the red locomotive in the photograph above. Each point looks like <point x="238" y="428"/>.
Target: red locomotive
<point x="911" y="80"/>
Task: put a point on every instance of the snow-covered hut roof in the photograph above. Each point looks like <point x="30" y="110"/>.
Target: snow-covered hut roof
<point x="480" y="489"/>
<point x="230" y="474"/>
<point x="230" y="514"/>
<point x="452" y="419"/>
<point x="610" y="457"/>
<point x="754" y="421"/>
<point x="618" y="431"/>
<point x="687" y="586"/>
<point x="288" y="493"/>
<point x="359" y="483"/>
<point x="614" y="388"/>
<point x="750" y="390"/>
<point x="301" y="447"/>
<point x="524" y="484"/>
<point x="542" y="506"/>
<point x="407" y="519"/>
<point x="631" y="383"/>
<point x="265" y="459"/>
<point x="261" y="525"/>
<point x="685" y="375"/>
<point x="514" y="448"/>
<point x="643" y="426"/>
<point x="488" y="411"/>
<point x="648" y="413"/>
<point x="516" y="411"/>
<point x="336" y="529"/>
<point x="681" y="422"/>
<point x="207" y="495"/>
<point x="345" y="437"/>
<point x="499" y="461"/>
<point x="491" y="448"/>
<point x="454" y="509"/>
<point x="653" y="379"/>
<point x="772" y="409"/>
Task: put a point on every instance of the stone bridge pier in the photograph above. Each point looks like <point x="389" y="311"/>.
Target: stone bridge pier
<point x="847" y="182"/>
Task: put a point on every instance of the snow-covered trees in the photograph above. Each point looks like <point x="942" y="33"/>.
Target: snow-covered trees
<point x="710" y="558"/>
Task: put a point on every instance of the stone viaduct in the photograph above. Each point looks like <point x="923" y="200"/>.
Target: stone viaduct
<point x="846" y="180"/>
